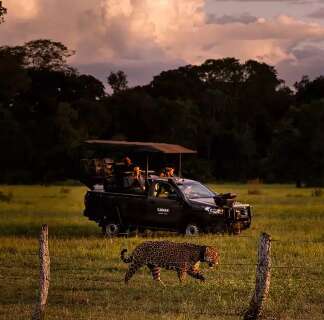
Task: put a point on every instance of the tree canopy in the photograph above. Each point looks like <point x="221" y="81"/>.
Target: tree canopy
<point x="240" y="116"/>
<point x="3" y="12"/>
<point x="117" y="81"/>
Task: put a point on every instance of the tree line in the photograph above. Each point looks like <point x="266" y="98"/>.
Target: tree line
<point x="3" y="12"/>
<point x="242" y="119"/>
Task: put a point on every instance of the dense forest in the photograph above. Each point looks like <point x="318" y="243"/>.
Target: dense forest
<point x="243" y="120"/>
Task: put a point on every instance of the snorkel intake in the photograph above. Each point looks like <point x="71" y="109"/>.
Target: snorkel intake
<point x="225" y="199"/>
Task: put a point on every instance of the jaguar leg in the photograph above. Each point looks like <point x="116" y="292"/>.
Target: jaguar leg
<point x="133" y="267"/>
<point x="196" y="274"/>
<point x="156" y="273"/>
<point x="182" y="274"/>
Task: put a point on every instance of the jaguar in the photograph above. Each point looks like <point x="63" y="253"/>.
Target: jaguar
<point x="184" y="258"/>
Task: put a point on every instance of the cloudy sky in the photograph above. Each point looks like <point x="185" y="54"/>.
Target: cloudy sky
<point x="144" y="37"/>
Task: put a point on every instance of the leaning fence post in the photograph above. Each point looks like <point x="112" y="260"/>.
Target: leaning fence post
<point x="262" y="284"/>
<point x="44" y="275"/>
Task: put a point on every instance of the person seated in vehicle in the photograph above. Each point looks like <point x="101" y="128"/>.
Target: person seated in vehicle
<point x="167" y="172"/>
<point x="170" y="172"/>
<point x="127" y="167"/>
<point x="123" y="171"/>
<point x="164" y="190"/>
<point x="138" y="181"/>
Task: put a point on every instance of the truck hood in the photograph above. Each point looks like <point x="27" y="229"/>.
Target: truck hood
<point x="211" y="202"/>
<point x="203" y="201"/>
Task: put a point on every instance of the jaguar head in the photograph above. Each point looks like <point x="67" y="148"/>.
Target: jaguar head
<point x="211" y="256"/>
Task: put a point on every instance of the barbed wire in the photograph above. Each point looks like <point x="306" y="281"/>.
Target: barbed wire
<point x="55" y="267"/>
<point x="297" y="241"/>
<point x="96" y="258"/>
<point x="250" y="281"/>
<point x="317" y="241"/>
<point x="220" y="237"/>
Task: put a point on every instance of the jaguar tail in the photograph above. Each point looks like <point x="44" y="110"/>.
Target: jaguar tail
<point x="124" y="258"/>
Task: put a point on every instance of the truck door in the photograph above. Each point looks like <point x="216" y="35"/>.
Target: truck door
<point x="132" y="208"/>
<point x="165" y="207"/>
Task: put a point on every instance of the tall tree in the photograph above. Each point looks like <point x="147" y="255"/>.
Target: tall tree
<point x="14" y="79"/>
<point x="117" y="81"/>
<point x="3" y="12"/>
<point x="183" y="82"/>
<point x="297" y="152"/>
<point x="45" y="54"/>
<point x="308" y="91"/>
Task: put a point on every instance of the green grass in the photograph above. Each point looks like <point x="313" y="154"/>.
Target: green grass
<point x="87" y="274"/>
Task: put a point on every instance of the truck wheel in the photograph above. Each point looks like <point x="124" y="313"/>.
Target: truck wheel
<point x="191" y="230"/>
<point x="110" y="230"/>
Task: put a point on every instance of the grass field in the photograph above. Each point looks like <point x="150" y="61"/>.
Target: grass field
<point x="87" y="274"/>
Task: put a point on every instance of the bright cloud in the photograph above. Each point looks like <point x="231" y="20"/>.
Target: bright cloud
<point x="23" y="9"/>
<point x="140" y="34"/>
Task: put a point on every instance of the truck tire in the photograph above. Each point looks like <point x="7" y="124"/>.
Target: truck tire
<point x="110" y="229"/>
<point x="191" y="230"/>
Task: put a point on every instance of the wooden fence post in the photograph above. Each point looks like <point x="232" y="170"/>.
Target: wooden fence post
<point x="44" y="275"/>
<point x="262" y="283"/>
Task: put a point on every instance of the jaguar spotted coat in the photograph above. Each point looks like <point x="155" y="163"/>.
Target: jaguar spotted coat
<point x="184" y="258"/>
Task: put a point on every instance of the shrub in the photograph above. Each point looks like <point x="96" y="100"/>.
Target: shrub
<point x="317" y="192"/>
<point x="65" y="190"/>
<point x="6" y="197"/>
<point x="297" y="195"/>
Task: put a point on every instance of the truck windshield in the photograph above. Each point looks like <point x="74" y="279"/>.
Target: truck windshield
<point x="195" y="190"/>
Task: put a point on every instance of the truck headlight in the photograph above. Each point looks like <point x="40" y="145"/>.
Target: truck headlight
<point x="241" y="212"/>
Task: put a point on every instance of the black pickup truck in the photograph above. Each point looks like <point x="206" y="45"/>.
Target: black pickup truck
<point x="172" y="204"/>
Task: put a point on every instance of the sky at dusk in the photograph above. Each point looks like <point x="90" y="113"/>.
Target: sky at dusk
<point x="144" y="37"/>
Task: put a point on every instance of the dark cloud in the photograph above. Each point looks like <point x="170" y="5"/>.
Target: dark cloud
<point x="308" y="52"/>
<point x="292" y="1"/>
<point x="245" y="18"/>
<point x="318" y="14"/>
<point x="138" y="73"/>
<point x="309" y="60"/>
<point x="282" y="1"/>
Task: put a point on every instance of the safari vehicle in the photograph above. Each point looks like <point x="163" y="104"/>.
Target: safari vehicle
<point x="171" y="204"/>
